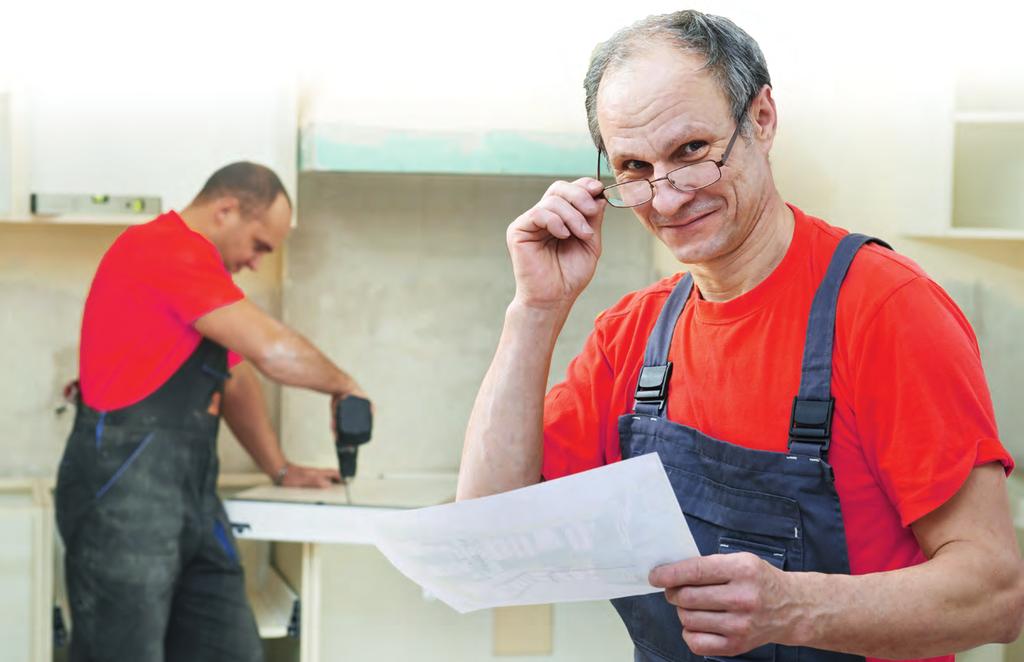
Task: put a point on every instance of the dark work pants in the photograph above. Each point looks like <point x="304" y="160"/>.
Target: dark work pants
<point x="151" y="565"/>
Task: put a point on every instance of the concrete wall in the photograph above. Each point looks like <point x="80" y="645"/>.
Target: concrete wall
<point x="404" y="280"/>
<point x="45" y="272"/>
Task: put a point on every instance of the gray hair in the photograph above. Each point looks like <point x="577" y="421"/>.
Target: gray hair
<point x="730" y="54"/>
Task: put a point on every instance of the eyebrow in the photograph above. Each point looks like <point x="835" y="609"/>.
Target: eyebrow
<point x="680" y="139"/>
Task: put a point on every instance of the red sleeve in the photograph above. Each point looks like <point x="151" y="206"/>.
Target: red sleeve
<point x="576" y="413"/>
<point x="192" y="280"/>
<point x="924" y="413"/>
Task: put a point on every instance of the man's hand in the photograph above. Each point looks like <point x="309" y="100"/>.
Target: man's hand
<point x="556" y="243"/>
<point x="727" y="604"/>
<point x="299" y="476"/>
<point x="335" y="399"/>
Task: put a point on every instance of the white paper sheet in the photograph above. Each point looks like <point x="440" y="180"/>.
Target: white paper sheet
<point x="590" y="536"/>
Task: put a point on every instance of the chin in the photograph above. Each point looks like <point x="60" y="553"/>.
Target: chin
<point x="695" y="248"/>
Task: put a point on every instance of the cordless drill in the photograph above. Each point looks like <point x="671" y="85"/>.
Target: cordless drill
<point x="354" y="422"/>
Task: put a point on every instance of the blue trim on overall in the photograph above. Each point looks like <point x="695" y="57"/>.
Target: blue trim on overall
<point x="124" y="467"/>
<point x="222" y="537"/>
<point x="214" y="372"/>
<point x="99" y="429"/>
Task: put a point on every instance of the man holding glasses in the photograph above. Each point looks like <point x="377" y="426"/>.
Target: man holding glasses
<point x="818" y="402"/>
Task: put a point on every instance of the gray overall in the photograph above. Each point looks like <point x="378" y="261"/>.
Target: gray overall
<point x="152" y="569"/>
<point x="783" y="507"/>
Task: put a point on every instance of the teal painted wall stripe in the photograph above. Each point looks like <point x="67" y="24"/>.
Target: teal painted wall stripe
<point x="329" y="147"/>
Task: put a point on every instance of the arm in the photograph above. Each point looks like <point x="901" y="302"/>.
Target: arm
<point x="277" y="351"/>
<point x="970" y="591"/>
<point x="246" y="414"/>
<point x="554" y="248"/>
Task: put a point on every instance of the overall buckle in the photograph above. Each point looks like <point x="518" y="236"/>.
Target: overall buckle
<point x="652" y="387"/>
<point x="811" y="422"/>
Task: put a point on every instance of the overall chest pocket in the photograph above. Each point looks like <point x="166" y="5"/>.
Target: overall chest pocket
<point x="746" y="519"/>
<point x="726" y="519"/>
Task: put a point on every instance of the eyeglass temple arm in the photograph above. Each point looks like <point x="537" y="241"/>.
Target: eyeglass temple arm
<point x="601" y="194"/>
<point x="728" y="148"/>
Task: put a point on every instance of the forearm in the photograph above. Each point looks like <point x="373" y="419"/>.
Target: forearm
<point x="504" y="438"/>
<point x="959" y="599"/>
<point x="277" y="351"/>
<point x="291" y="359"/>
<point x="246" y="414"/>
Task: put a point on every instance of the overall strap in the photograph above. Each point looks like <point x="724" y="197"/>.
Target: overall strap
<point x="810" y="427"/>
<point x="652" y="387"/>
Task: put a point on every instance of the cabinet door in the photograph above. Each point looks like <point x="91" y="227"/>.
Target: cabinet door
<point x="88" y="139"/>
<point x="6" y="153"/>
<point x="25" y="575"/>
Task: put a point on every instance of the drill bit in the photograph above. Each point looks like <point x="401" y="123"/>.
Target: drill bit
<point x="348" y="494"/>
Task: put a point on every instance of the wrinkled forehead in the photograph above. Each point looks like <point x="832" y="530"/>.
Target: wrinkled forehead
<point x="658" y="89"/>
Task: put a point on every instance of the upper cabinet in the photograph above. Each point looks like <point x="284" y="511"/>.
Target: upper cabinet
<point x="337" y="146"/>
<point x="988" y="151"/>
<point x="86" y="151"/>
<point x="452" y="100"/>
<point x="985" y="138"/>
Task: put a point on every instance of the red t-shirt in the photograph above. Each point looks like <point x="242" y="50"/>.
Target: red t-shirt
<point x="152" y="284"/>
<point x="913" y="413"/>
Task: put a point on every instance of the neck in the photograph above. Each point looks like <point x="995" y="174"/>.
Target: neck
<point x="742" y="269"/>
<point x="198" y="220"/>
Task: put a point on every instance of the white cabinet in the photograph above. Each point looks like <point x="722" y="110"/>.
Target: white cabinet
<point x="988" y="168"/>
<point x="90" y="140"/>
<point x="12" y="154"/>
<point x="26" y="570"/>
<point x="6" y="156"/>
<point x="982" y="142"/>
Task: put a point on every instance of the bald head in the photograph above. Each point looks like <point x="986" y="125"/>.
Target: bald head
<point x="256" y="187"/>
<point x="244" y="210"/>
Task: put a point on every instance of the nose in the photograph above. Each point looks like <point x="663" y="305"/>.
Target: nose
<point x="668" y="199"/>
<point x="254" y="263"/>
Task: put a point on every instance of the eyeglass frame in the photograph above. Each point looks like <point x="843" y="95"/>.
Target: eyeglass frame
<point x="651" y="182"/>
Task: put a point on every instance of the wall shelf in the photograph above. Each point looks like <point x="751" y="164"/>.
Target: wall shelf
<point x="64" y="221"/>
<point x="334" y="147"/>
<point x="988" y="117"/>
<point x="990" y="234"/>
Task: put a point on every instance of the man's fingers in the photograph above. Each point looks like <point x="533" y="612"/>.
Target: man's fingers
<point x="698" y="571"/>
<point x="570" y="215"/>
<point x="707" y="643"/>
<point x="592" y="185"/>
<point x="539" y="219"/>
<point x="712" y="622"/>
<point x="312" y="477"/>
<point x="578" y="194"/>
<point x="709" y="598"/>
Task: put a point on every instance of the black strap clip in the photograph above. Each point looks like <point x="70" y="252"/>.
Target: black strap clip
<point x="811" y="422"/>
<point x="652" y="387"/>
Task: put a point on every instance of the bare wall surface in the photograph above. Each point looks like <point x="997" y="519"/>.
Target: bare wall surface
<point x="404" y="280"/>
<point x="371" y="612"/>
<point x="45" y="272"/>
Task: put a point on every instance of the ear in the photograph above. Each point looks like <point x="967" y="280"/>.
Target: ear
<point x="764" y="117"/>
<point x="226" y="209"/>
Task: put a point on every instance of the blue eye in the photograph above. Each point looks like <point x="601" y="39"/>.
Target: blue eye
<point x="694" y="146"/>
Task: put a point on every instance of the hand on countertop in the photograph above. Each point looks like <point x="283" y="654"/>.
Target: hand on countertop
<point x="316" y="477"/>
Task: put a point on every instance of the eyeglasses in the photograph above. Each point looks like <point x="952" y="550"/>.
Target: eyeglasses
<point x="691" y="177"/>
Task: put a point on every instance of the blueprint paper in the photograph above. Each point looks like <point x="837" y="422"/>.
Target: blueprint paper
<point x="594" y="535"/>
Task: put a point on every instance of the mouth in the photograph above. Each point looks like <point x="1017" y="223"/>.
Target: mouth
<point x="689" y="220"/>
